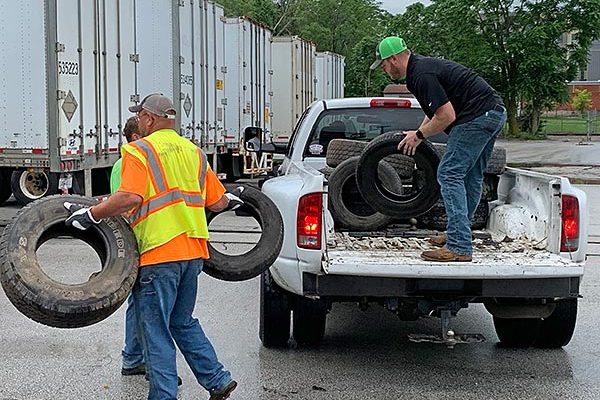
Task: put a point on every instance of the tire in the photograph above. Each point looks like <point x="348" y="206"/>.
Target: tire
<point x="517" y="332"/>
<point x="309" y="319"/>
<point x="31" y="185"/>
<point x="348" y="208"/>
<point x="326" y="171"/>
<point x="339" y="150"/>
<point x="49" y="302"/>
<point x="245" y="266"/>
<point x="437" y="219"/>
<point x="496" y="163"/>
<point x="5" y="190"/>
<point x="557" y="330"/>
<point x="407" y="204"/>
<point x="274" y="323"/>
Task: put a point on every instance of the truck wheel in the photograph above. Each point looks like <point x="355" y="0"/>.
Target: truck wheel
<point x="496" y="164"/>
<point x="309" y="319"/>
<point x="5" y="190"/>
<point x="347" y="206"/>
<point x="517" y="332"/>
<point x="57" y="304"/>
<point x="30" y="185"/>
<point x="339" y="150"/>
<point x="254" y="262"/>
<point x="413" y="201"/>
<point x="557" y="330"/>
<point x="274" y="324"/>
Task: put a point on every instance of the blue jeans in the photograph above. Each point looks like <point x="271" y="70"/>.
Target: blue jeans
<point x="132" y="352"/>
<point x="165" y="296"/>
<point x="460" y="174"/>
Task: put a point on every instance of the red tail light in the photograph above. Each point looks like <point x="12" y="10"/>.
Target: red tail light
<point x="390" y="103"/>
<point x="309" y="223"/>
<point x="569" y="240"/>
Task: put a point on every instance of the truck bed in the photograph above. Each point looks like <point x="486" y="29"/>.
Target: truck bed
<point x="352" y="254"/>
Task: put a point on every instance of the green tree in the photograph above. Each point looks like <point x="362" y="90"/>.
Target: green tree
<point x="581" y="101"/>
<point x="516" y="46"/>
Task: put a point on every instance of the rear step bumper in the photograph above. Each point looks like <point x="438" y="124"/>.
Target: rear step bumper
<point x="370" y="286"/>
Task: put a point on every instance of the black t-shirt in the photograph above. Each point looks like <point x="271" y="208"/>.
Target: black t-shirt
<point x="434" y="82"/>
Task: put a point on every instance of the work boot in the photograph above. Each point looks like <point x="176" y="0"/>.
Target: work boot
<point x="224" y="392"/>
<point x="139" y="370"/>
<point x="439" y="240"/>
<point x="444" y="255"/>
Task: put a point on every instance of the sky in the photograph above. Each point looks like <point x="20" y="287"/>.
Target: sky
<point x="398" y="6"/>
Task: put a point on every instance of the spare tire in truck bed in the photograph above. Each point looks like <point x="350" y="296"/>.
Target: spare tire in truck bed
<point x="57" y="304"/>
<point x="254" y="262"/>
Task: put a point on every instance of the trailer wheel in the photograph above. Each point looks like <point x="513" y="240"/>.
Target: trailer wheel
<point x="412" y="202"/>
<point x="5" y="190"/>
<point x="30" y="185"/>
<point x="557" y="330"/>
<point x="260" y="257"/>
<point x="274" y="324"/>
<point x="56" y="304"/>
<point x="347" y="206"/>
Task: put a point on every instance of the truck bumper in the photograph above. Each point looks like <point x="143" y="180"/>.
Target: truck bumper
<point x="370" y="286"/>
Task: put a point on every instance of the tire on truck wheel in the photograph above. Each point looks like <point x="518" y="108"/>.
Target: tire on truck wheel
<point x="254" y="262"/>
<point x="557" y="330"/>
<point x="52" y="303"/>
<point x="28" y="186"/>
<point x="275" y="312"/>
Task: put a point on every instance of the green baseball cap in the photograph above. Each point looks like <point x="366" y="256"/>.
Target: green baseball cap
<point x="388" y="47"/>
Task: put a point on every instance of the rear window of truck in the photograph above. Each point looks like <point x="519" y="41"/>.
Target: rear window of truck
<point x="359" y="124"/>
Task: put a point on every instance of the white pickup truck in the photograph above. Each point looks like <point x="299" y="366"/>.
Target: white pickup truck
<point x="526" y="271"/>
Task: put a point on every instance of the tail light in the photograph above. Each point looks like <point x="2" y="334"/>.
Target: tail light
<point x="390" y="103"/>
<point x="569" y="240"/>
<point x="309" y="223"/>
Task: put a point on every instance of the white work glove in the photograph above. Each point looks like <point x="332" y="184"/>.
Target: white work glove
<point x="81" y="217"/>
<point x="235" y="201"/>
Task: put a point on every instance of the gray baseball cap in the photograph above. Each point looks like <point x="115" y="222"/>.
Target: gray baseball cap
<point x="157" y="104"/>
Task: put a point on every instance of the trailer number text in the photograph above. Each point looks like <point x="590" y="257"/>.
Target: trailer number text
<point x="68" y="68"/>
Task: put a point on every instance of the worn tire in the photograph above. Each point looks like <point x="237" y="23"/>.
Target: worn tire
<point x="348" y="208"/>
<point x="253" y="263"/>
<point x="275" y="311"/>
<point x="437" y="219"/>
<point x="28" y="186"/>
<point x="5" y="190"/>
<point x="339" y="150"/>
<point x="309" y="320"/>
<point x="49" y="302"/>
<point x="557" y="330"/>
<point x="496" y="164"/>
<point x="517" y="332"/>
<point x="399" y="205"/>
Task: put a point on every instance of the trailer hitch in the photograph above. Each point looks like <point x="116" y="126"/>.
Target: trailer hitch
<point x="448" y="336"/>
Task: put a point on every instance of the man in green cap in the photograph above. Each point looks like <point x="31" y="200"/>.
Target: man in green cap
<point x="462" y="104"/>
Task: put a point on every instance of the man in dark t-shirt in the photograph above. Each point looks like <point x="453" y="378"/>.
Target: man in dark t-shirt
<point x="459" y="102"/>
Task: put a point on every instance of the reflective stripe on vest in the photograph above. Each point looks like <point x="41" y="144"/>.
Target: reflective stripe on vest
<point x="165" y="198"/>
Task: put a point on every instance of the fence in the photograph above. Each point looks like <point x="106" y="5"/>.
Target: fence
<point x="566" y="122"/>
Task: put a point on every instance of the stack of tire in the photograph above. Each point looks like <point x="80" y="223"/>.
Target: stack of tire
<point x="371" y="184"/>
<point x="437" y="219"/>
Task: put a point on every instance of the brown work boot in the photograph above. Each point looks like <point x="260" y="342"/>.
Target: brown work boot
<point x="439" y="240"/>
<point x="224" y="392"/>
<point x="444" y="255"/>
